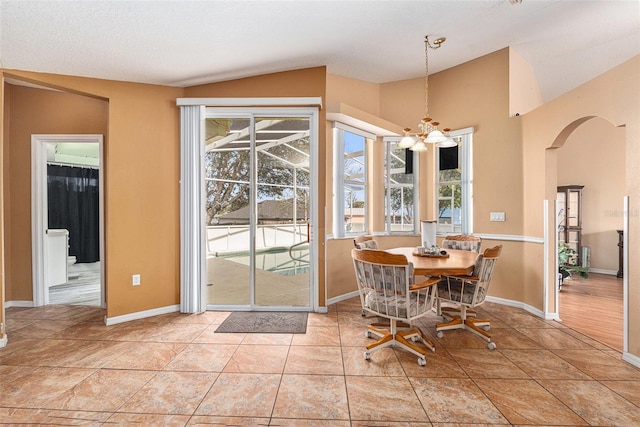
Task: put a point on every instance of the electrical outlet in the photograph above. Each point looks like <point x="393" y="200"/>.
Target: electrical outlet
<point x="135" y="280"/>
<point x="496" y="216"/>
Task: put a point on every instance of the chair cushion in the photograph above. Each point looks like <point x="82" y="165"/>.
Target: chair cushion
<point x="396" y="305"/>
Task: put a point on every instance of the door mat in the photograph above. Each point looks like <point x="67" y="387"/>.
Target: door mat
<point x="265" y="322"/>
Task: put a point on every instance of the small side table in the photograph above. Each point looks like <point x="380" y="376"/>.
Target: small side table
<point x="620" y="253"/>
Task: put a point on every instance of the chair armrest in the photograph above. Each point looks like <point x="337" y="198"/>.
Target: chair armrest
<point x="429" y="282"/>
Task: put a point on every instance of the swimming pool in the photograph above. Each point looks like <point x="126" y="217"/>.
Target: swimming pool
<point x="276" y="259"/>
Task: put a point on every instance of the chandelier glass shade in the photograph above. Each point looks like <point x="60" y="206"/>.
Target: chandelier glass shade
<point x="429" y="132"/>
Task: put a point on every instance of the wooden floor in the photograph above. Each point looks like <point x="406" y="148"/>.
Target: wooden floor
<point x="594" y="306"/>
<point x="83" y="287"/>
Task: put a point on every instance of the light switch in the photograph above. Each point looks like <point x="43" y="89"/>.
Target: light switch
<point x="496" y="216"/>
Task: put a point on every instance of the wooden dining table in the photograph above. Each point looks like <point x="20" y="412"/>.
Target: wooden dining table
<point x="457" y="263"/>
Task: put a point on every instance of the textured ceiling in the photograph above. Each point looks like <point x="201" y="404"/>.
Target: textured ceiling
<point x="183" y="43"/>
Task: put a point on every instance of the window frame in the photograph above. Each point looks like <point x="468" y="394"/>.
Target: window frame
<point x="339" y="178"/>
<point x="465" y="162"/>
<point x="388" y="142"/>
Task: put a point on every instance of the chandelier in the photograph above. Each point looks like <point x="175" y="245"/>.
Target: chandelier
<point x="429" y="133"/>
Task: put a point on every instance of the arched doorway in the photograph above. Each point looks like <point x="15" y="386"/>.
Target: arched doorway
<point x="590" y="152"/>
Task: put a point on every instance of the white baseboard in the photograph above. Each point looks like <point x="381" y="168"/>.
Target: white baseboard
<point x="342" y="297"/>
<point x="502" y="301"/>
<point x="603" y="271"/>
<point x="525" y="307"/>
<point x="3" y="340"/>
<point x="634" y="360"/>
<point x="141" y="315"/>
<point x="25" y="304"/>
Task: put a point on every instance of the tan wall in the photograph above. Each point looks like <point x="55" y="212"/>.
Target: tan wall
<point x="310" y="82"/>
<point x="362" y="95"/>
<point x="524" y="93"/>
<point x="141" y="188"/>
<point x="614" y="97"/>
<point x="36" y="111"/>
<point x="593" y="156"/>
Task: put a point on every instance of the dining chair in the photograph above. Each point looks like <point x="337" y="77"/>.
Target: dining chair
<point x="464" y="242"/>
<point x="365" y="242"/>
<point x="469" y="292"/>
<point x="388" y="290"/>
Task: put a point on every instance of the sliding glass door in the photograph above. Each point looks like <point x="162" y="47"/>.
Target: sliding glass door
<point x="257" y="191"/>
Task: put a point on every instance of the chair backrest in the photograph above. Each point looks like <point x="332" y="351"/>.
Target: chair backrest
<point x="383" y="284"/>
<point x="365" y="242"/>
<point x="463" y="242"/>
<point x="484" y="272"/>
<point x="471" y="291"/>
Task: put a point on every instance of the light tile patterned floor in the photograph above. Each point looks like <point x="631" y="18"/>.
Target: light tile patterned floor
<point x="63" y="366"/>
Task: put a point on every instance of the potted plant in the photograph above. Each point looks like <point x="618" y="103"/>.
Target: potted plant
<point x="566" y="263"/>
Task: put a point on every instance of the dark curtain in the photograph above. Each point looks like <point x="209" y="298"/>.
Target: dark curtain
<point x="73" y="204"/>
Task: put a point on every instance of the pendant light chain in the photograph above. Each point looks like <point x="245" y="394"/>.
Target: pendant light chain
<point x="426" y="77"/>
<point x="429" y="132"/>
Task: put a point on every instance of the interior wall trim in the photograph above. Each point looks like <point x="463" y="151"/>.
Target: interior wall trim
<point x="342" y="297"/>
<point x="511" y="238"/>
<point x="141" y="314"/>
<point x="252" y="102"/>
<point x="503" y="237"/>
<point x="603" y="271"/>
<point x="634" y="360"/>
<point x="524" y="306"/>
<point x="21" y="304"/>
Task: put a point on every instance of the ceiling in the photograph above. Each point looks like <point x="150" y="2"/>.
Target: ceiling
<point x="184" y="43"/>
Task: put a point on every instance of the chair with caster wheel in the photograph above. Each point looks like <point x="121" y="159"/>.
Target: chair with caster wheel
<point x="387" y="290"/>
<point x="462" y="242"/>
<point x="468" y="292"/>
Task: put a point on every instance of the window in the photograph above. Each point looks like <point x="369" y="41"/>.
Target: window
<point x="350" y="180"/>
<point x="455" y="185"/>
<point x="400" y="188"/>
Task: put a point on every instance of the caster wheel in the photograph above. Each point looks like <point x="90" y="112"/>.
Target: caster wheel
<point x="491" y="346"/>
<point x="415" y="338"/>
<point x="367" y="355"/>
<point x="363" y="313"/>
<point x="439" y="334"/>
<point x="422" y="361"/>
<point x="367" y="334"/>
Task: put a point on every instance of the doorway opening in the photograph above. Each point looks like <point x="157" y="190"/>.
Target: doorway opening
<point x="258" y="204"/>
<point x="590" y="214"/>
<point x="67" y="220"/>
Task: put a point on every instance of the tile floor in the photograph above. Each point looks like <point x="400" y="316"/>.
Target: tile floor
<point x="63" y="366"/>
